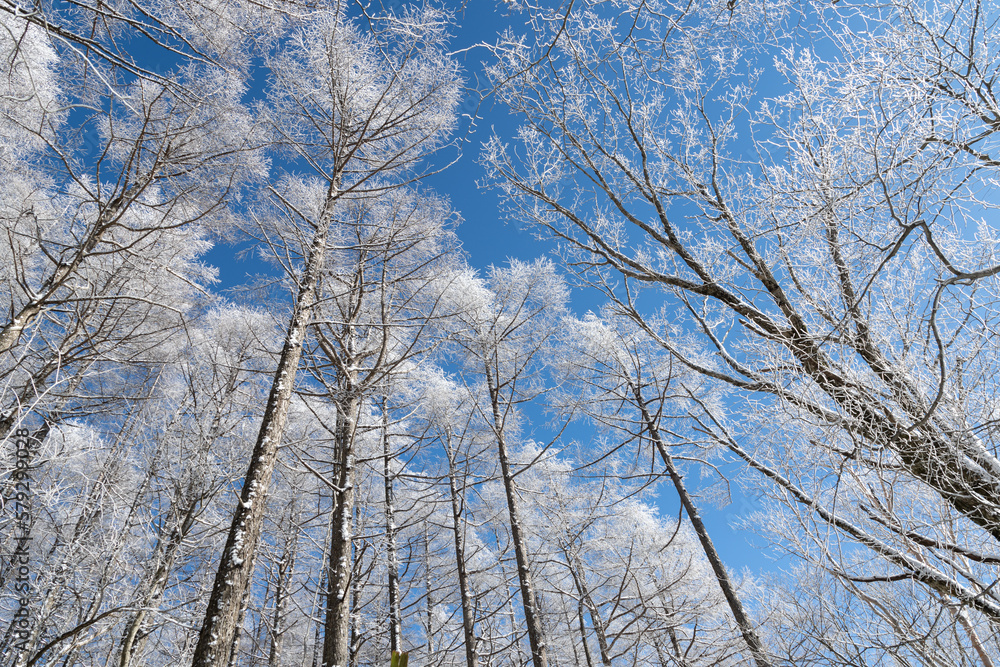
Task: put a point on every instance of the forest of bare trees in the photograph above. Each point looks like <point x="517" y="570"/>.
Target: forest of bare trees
<point x="259" y="406"/>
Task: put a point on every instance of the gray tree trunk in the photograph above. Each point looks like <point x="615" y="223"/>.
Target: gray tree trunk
<point x="282" y="593"/>
<point x="468" y="614"/>
<point x="392" y="560"/>
<point x="587" y="600"/>
<point x="728" y="590"/>
<point x="429" y="597"/>
<point x="532" y="617"/>
<point x="232" y="579"/>
<point x="340" y="567"/>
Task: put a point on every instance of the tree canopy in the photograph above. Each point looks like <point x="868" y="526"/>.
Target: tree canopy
<point x="767" y="267"/>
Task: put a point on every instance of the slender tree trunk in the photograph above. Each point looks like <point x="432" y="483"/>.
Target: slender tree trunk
<point x="514" y="640"/>
<point x="340" y="568"/>
<point x="429" y="598"/>
<point x="678" y="654"/>
<point x="576" y="567"/>
<point x="232" y="579"/>
<point x="234" y="651"/>
<point x="664" y="662"/>
<point x="357" y="637"/>
<point x="319" y="598"/>
<point x="728" y="590"/>
<point x="583" y="632"/>
<point x="974" y="639"/>
<point x="468" y="614"/>
<point x="532" y="617"/>
<point x="132" y="640"/>
<point x="286" y="567"/>
<point x="392" y="561"/>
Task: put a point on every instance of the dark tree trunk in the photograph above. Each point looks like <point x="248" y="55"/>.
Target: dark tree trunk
<point x="340" y="568"/>
<point x="718" y="567"/>
<point x="532" y="616"/>
<point x="232" y="579"/>
<point x="457" y="510"/>
<point x="392" y="560"/>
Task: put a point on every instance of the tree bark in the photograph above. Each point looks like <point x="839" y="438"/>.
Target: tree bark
<point x="576" y="568"/>
<point x="532" y="617"/>
<point x="232" y="578"/>
<point x="468" y="614"/>
<point x="392" y="561"/>
<point x="340" y="568"/>
<point x="286" y="567"/>
<point x="429" y="597"/>
<point x="514" y="640"/>
<point x="583" y="632"/>
<point x="718" y="567"/>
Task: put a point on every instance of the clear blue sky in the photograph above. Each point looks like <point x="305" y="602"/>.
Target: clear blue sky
<point x="489" y="239"/>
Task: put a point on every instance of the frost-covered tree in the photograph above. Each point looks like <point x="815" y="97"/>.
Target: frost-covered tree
<point x="623" y="585"/>
<point x="795" y="202"/>
<point x="788" y="206"/>
<point x="625" y="382"/>
<point x="381" y="296"/>
<point x="109" y="186"/>
<point x="212" y="399"/>
<point x="124" y="508"/>
<point x="446" y="415"/>
<point x="362" y="111"/>
<point x="112" y="184"/>
<point x="820" y="618"/>
<point x="511" y="318"/>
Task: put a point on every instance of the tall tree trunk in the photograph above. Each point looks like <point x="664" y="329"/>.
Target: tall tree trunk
<point x="514" y="641"/>
<point x="532" y="616"/>
<point x="340" y="567"/>
<point x="286" y="567"/>
<point x="319" y="598"/>
<point x="728" y="590"/>
<point x="186" y="504"/>
<point x="678" y="654"/>
<point x="232" y="579"/>
<point x="458" y="527"/>
<point x="357" y="637"/>
<point x="576" y="568"/>
<point x="392" y="561"/>
<point x="583" y="632"/>
<point x="429" y="597"/>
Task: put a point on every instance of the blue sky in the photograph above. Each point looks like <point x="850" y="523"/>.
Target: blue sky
<point x="488" y="239"/>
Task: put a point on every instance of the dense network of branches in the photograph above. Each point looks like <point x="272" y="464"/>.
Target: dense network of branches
<point x="781" y="214"/>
